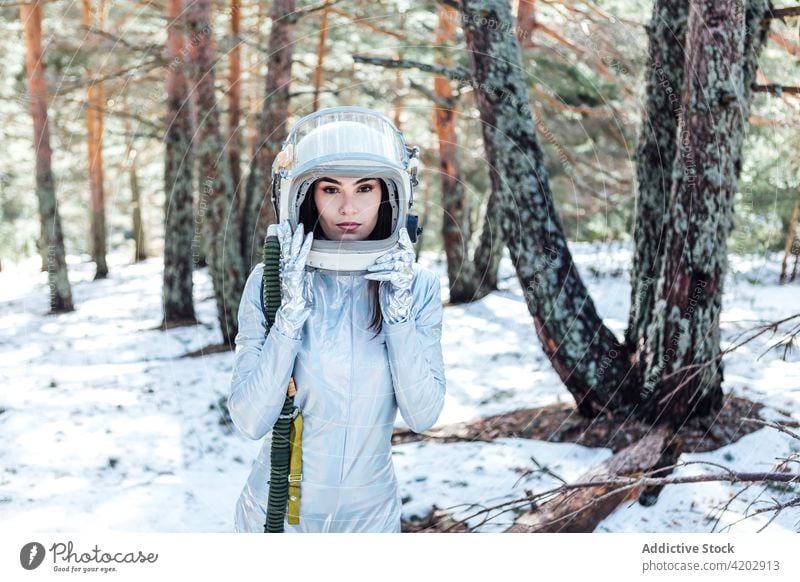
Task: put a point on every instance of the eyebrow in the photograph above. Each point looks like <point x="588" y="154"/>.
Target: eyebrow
<point x="339" y="183"/>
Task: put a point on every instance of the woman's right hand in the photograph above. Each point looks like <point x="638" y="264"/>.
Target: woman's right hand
<point x="296" y="292"/>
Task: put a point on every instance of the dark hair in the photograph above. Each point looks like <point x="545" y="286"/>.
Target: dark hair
<point x="309" y="215"/>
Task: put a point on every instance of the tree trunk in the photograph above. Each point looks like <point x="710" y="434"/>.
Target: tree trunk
<point x="51" y="235"/>
<point x="234" y="105"/>
<point x="319" y="70"/>
<point x="253" y="96"/>
<point x="682" y="355"/>
<point x="181" y="245"/>
<point x="456" y="231"/>
<point x="200" y="244"/>
<point x="526" y="23"/>
<point x="654" y="157"/>
<point x="489" y="251"/>
<point x="790" y="245"/>
<point x="259" y="213"/>
<point x="96" y="102"/>
<point x="216" y="187"/>
<point x="583" y="351"/>
<point x="398" y="93"/>
<point x="139" y="251"/>
<point x="254" y="107"/>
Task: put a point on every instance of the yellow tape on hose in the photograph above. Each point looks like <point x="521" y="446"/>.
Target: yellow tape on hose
<point x="295" y="468"/>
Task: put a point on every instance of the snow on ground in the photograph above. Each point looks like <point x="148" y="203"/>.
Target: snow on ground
<point x="106" y="428"/>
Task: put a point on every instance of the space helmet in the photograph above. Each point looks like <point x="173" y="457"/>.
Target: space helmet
<point x="354" y="142"/>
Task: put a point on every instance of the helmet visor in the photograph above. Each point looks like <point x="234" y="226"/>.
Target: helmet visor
<point x="347" y="133"/>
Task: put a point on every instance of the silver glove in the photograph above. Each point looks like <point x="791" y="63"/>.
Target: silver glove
<point x="394" y="270"/>
<point x="296" y="282"/>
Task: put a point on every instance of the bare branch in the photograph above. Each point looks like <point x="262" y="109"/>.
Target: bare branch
<point x="458" y="74"/>
<point x="73" y="83"/>
<point x="781" y="13"/>
<point x="12" y="3"/>
<point x="156" y="126"/>
<point x="776" y="90"/>
<point x="440" y="101"/>
<point x="774" y="425"/>
<point x="311" y="92"/>
<point x="787" y="342"/>
<point x="630" y="483"/>
<point x="121" y="41"/>
<point x="368" y="24"/>
<point x="306" y="10"/>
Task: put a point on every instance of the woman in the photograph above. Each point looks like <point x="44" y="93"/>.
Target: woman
<point x="358" y="346"/>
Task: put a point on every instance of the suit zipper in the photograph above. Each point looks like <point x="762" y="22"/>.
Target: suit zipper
<point x="350" y="383"/>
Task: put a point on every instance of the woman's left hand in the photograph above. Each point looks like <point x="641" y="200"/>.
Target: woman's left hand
<point x="394" y="270"/>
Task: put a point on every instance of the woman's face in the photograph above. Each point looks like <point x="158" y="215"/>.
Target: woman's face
<point x="348" y="207"/>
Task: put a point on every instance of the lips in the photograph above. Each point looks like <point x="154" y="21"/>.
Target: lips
<point x="348" y="225"/>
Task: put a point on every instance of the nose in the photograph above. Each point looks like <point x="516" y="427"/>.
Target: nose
<point x="347" y="206"/>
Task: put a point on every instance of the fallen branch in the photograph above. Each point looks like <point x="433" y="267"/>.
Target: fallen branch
<point x="584" y="507"/>
<point x="604" y="492"/>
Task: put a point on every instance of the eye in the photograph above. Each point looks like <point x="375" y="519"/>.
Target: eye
<point x="369" y="187"/>
<point x="329" y="189"/>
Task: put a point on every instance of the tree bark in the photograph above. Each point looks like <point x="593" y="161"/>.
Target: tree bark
<point x="489" y="251"/>
<point x="234" y="142"/>
<point x="216" y="186"/>
<point x="253" y="96"/>
<point x="398" y="94"/>
<point x="526" y="23"/>
<point x="583" y="351"/>
<point x="96" y="100"/>
<point x="181" y="245"/>
<point x="790" y="244"/>
<point x="655" y="152"/>
<point x="456" y="231"/>
<point x="52" y="238"/>
<point x="139" y="250"/>
<point x="259" y="213"/>
<point x="319" y="69"/>
<point x="684" y="372"/>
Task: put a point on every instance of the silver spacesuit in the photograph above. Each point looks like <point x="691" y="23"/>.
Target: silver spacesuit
<point x="350" y="384"/>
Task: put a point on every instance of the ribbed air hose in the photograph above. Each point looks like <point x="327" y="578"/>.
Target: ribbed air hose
<point x="279" y="458"/>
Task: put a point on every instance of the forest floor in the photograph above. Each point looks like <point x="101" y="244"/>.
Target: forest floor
<point x="114" y="429"/>
<point x="562" y="423"/>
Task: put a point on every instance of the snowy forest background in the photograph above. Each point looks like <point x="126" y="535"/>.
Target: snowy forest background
<point x="638" y="160"/>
